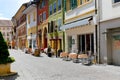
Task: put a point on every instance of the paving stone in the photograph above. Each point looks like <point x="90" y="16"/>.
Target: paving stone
<point x="46" y="68"/>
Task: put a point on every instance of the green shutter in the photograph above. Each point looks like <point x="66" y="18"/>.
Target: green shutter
<point x="65" y="5"/>
<point x="71" y="2"/>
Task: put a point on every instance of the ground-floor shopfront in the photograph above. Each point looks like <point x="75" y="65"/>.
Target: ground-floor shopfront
<point x="81" y="39"/>
<point x="21" y="42"/>
<point x="110" y="41"/>
<point x="42" y="38"/>
<point x="56" y="41"/>
<point x="80" y="36"/>
<point x="32" y="43"/>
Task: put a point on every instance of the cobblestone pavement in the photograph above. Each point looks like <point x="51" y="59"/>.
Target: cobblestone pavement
<point x="44" y="68"/>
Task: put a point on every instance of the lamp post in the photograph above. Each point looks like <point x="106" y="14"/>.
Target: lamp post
<point x="30" y="40"/>
<point x="56" y="38"/>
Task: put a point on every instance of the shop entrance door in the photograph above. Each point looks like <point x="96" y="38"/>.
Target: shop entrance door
<point x="116" y="48"/>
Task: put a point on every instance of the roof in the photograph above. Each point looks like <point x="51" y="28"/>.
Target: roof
<point x="6" y="23"/>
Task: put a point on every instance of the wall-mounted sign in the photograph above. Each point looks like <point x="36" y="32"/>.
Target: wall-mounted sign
<point x="116" y="37"/>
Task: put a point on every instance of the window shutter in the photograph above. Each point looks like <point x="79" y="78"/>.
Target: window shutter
<point x="48" y="27"/>
<point x="51" y="26"/>
<point x="65" y="5"/>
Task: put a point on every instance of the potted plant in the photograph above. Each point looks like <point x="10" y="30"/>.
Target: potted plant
<point x="5" y="59"/>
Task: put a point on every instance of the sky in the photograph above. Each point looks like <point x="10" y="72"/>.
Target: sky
<point x="8" y="8"/>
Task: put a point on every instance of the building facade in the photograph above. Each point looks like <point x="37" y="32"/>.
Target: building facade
<point x="42" y="15"/>
<point x="109" y="31"/>
<point x="79" y="27"/>
<point x="19" y="20"/>
<point x="6" y="30"/>
<point x="31" y="18"/>
<point x="56" y="19"/>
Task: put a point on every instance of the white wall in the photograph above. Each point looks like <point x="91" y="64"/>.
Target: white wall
<point x="32" y="23"/>
<point x="110" y="10"/>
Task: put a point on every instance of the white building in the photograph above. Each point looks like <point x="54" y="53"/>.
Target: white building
<point x="6" y="29"/>
<point x="109" y="16"/>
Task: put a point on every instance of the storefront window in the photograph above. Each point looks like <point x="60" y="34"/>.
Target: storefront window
<point x="34" y="43"/>
<point x="69" y="43"/>
<point x="86" y="43"/>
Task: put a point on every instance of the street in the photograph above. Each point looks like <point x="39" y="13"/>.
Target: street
<point x="44" y="68"/>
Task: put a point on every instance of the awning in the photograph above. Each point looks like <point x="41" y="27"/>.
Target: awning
<point x="75" y="24"/>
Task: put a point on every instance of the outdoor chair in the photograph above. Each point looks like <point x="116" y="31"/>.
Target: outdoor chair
<point x="85" y="59"/>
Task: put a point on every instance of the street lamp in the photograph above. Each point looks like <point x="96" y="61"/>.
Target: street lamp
<point x="30" y="46"/>
<point x="56" y="38"/>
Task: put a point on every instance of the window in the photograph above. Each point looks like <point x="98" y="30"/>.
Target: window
<point x="73" y="4"/>
<point x="65" y="8"/>
<point x="59" y="4"/>
<point x="54" y="7"/>
<point x="3" y="33"/>
<point x="115" y="1"/>
<point x="50" y="8"/>
<point x="34" y="43"/>
<point x="86" y="43"/>
<point x="34" y="16"/>
<point x="81" y="2"/>
<point x="69" y="43"/>
<point x="28" y="19"/>
<point x="7" y="33"/>
<point x="3" y="28"/>
<point x="40" y="6"/>
<point x="40" y="18"/>
<point x="87" y="0"/>
<point x="44" y="16"/>
<point x="59" y="23"/>
<point x="43" y="3"/>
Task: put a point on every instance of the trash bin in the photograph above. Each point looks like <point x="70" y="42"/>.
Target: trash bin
<point x="49" y="54"/>
<point x="59" y="51"/>
<point x="37" y="52"/>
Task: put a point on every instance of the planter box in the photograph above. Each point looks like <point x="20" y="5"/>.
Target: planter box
<point x="4" y="69"/>
<point x="37" y="52"/>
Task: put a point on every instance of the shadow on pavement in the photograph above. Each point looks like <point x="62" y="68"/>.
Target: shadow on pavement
<point x="13" y="77"/>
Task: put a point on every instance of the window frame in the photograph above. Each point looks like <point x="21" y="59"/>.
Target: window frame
<point x="59" y="4"/>
<point x="40" y="17"/>
<point x="54" y="7"/>
<point x="50" y="9"/>
<point x="113" y="1"/>
<point x="44" y="16"/>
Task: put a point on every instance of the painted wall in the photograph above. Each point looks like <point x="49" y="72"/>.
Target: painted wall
<point x="55" y="17"/>
<point x="105" y="40"/>
<point x="80" y="11"/>
<point x="109" y="15"/>
<point x="109" y="9"/>
<point x="44" y="9"/>
<point x="58" y="14"/>
<point x="32" y="23"/>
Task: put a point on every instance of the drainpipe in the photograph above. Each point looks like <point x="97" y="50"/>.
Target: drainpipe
<point x="63" y="12"/>
<point x="97" y="13"/>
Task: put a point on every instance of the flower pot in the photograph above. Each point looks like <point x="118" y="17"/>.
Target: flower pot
<point x="4" y="68"/>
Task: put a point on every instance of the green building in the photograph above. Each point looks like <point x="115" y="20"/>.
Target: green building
<point x="56" y="20"/>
